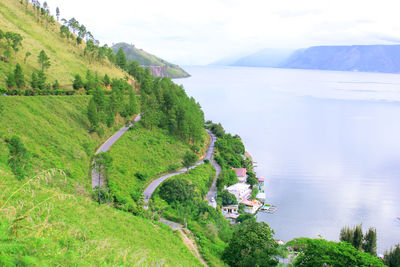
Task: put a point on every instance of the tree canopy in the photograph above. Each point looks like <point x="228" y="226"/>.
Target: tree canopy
<point x="252" y="244"/>
<point x="320" y="252"/>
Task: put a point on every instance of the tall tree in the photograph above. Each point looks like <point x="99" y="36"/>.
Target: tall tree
<point x="78" y="83"/>
<point x="392" y="257"/>
<point x="120" y="59"/>
<point x="19" y="157"/>
<point x="92" y="114"/>
<point x="19" y="76"/>
<point x="189" y="159"/>
<point x="44" y="60"/>
<point x="10" y="80"/>
<point x="41" y="78"/>
<point x="369" y="244"/>
<point x="58" y="13"/>
<point x="34" y="81"/>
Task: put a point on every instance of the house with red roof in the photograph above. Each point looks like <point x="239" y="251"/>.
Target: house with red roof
<point x="241" y="174"/>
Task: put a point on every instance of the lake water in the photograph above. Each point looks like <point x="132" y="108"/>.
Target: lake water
<point x="327" y="143"/>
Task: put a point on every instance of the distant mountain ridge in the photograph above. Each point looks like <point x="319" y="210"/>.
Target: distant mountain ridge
<point x="366" y="58"/>
<point x="158" y="66"/>
<point x="265" y="58"/>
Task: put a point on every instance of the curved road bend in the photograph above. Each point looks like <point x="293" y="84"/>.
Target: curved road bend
<point x="148" y="192"/>
<point x="96" y="178"/>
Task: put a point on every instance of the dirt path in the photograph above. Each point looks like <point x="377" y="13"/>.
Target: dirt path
<point x="189" y="241"/>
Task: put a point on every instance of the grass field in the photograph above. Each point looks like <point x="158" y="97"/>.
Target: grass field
<point x="55" y="130"/>
<point x="66" y="58"/>
<point x="149" y="152"/>
<point x="44" y="226"/>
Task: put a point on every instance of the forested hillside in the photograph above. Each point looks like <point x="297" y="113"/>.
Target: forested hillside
<point x="147" y="59"/>
<point x="60" y="48"/>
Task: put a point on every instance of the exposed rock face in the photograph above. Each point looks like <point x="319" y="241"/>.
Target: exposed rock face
<point x="159" y="71"/>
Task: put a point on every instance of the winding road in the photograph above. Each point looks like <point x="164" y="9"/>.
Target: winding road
<point x="148" y="192"/>
<point x="97" y="180"/>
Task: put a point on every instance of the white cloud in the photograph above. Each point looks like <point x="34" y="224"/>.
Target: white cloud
<point x="198" y="32"/>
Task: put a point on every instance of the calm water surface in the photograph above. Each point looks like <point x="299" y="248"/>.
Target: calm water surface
<point x="328" y="144"/>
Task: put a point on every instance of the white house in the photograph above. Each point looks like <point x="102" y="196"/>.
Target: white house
<point x="240" y="190"/>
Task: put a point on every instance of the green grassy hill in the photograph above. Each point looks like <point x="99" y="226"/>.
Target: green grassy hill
<point x="52" y="219"/>
<point x="66" y="57"/>
<point x="147" y="59"/>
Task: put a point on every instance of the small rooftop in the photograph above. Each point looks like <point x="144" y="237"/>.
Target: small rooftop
<point x="249" y="202"/>
<point x="240" y="172"/>
<point x="260" y="179"/>
<point x="238" y="186"/>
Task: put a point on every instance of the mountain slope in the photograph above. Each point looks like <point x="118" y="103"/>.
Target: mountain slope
<point x="147" y="59"/>
<point x="67" y="58"/>
<point x="53" y="220"/>
<point x="370" y="58"/>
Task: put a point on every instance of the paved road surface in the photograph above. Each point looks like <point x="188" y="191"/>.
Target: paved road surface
<point x="148" y="192"/>
<point x="96" y="177"/>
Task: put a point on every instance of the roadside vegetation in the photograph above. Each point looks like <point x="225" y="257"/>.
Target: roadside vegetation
<point x="181" y="199"/>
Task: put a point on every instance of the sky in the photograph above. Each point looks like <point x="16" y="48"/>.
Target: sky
<point x="190" y="32"/>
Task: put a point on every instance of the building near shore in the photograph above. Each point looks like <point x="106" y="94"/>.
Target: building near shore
<point x="251" y="206"/>
<point x="240" y="190"/>
<point x="241" y="174"/>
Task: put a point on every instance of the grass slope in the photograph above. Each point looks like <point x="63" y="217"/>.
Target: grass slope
<point x="144" y="58"/>
<point x="55" y="228"/>
<point x="150" y="152"/>
<point x="66" y="58"/>
<point x="56" y="222"/>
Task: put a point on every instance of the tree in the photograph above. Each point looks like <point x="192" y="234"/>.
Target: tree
<point x="244" y="217"/>
<point x="92" y="114"/>
<point x="106" y="80"/>
<point x="353" y="236"/>
<point x="189" y="159"/>
<point x="369" y="244"/>
<point x="78" y="40"/>
<point x="252" y="244"/>
<point x="27" y="54"/>
<point x="110" y="117"/>
<point x="19" y="76"/>
<point x="103" y="162"/>
<point x="320" y="252"/>
<point x="177" y="190"/>
<point x="34" y="81"/>
<point x="56" y="85"/>
<point x="19" y="157"/>
<point x="226" y="198"/>
<point x="41" y="79"/>
<point x="392" y="257"/>
<point x="44" y="60"/>
<point x="78" y="83"/>
<point x="10" y="81"/>
<point x="120" y="59"/>
<point x="58" y="13"/>
<point x="251" y="179"/>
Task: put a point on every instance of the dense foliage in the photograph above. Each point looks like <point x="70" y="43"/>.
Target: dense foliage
<point x="252" y="244"/>
<point x="362" y="242"/>
<point x="208" y="225"/>
<point x="392" y="257"/>
<point x="320" y="252"/>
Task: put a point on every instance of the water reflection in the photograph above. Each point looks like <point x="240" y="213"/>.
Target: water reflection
<point x="328" y="143"/>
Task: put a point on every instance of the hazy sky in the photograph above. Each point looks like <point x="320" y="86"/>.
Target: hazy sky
<point x="200" y="32"/>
